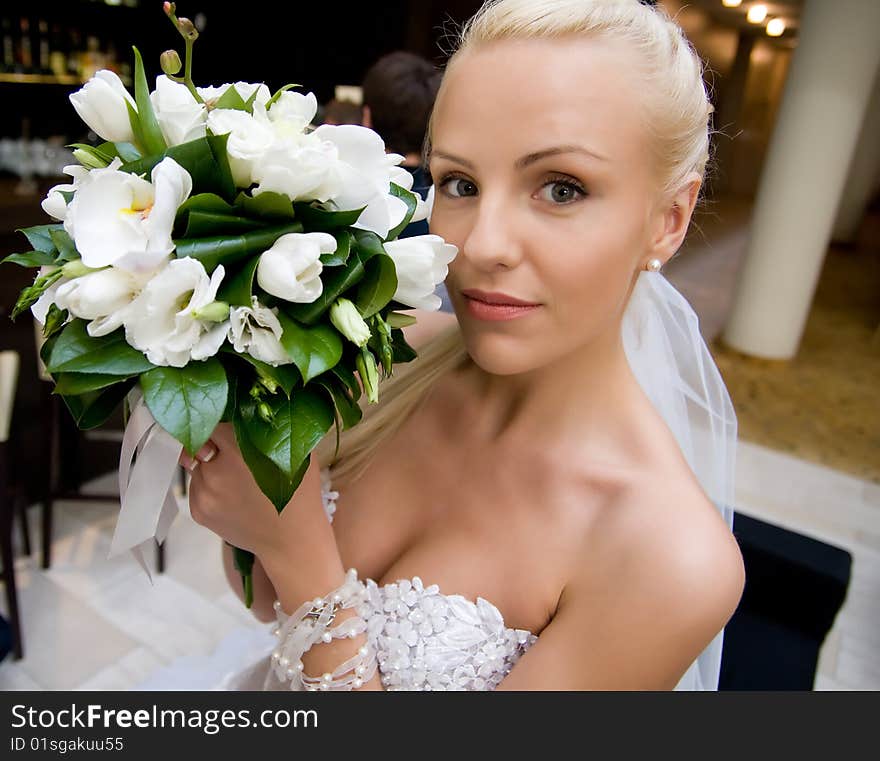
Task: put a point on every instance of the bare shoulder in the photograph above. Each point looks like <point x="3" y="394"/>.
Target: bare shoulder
<point x="427" y="326"/>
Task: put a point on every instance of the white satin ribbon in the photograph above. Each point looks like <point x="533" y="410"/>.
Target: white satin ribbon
<point x="146" y="486"/>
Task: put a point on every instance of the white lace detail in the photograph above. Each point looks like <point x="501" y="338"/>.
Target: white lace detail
<point x="426" y="640"/>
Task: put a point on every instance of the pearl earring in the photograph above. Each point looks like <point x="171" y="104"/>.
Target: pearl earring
<point x="654" y="265"/>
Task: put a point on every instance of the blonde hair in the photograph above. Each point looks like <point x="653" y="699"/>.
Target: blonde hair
<point x="677" y="114"/>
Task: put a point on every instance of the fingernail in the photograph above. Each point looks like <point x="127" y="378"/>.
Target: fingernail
<point x="207" y="453"/>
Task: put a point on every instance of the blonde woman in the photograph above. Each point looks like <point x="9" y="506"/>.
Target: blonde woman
<point x="538" y="502"/>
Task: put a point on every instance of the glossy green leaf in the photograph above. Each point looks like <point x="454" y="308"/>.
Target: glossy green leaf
<point x="227" y="250"/>
<point x="277" y="94"/>
<point x="403" y="352"/>
<point x="343" y="249"/>
<point x="209" y="202"/>
<point x="411" y="201"/>
<point x="188" y="402"/>
<point x="74" y="384"/>
<point x="377" y="287"/>
<point x="151" y="133"/>
<point x="93" y="409"/>
<point x="40" y="237"/>
<point x="368" y="244"/>
<point x="297" y="426"/>
<point x="205" y="223"/>
<point x="320" y="220"/>
<point x="237" y="289"/>
<point x="347" y="376"/>
<point x="349" y="410"/>
<point x="286" y="376"/>
<point x="232" y="100"/>
<point x="77" y="351"/>
<point x="64" y="243"/>
<point x="313" y="350"/>
<point x="266" y="205"/>
<point x="29" y="259"/>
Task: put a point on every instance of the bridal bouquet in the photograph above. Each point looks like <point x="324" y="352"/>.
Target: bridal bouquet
<point x="217" y="259"/>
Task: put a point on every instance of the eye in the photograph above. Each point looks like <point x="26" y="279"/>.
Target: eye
<point x="458" y="187"/>
<point x="562" y="192"/>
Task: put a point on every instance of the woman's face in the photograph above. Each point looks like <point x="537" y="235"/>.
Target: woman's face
<point x="544" y="179"/>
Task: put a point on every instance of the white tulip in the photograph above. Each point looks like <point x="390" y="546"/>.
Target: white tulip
<point x="181" y="118"/>
<point x="421" y="263"/>
<point x="101" y="297"/>
<point x="101" y="103"/>
<point x="250" y="137"/>
<point x="54" y="204"/>
<point x="120" y="219"/>
<point x="163" y="321"/>
<point x="291" y="269"/>
<point x="255" y="330"/>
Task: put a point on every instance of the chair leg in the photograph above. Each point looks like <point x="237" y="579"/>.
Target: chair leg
<point x="6" y="522"/>
<point x="21" y="507"/>
<point x="52" y="434"/>
<point x="160" y="557"/>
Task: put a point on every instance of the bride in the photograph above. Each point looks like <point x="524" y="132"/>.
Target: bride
<point x="530" y="507"/>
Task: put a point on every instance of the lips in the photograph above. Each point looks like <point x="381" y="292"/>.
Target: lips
<point x="496" y="299"/>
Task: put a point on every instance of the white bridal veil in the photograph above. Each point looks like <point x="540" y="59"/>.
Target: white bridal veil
<point x="668" y="356"/>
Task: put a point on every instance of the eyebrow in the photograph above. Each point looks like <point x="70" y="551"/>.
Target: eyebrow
<point x="530" y="158"/>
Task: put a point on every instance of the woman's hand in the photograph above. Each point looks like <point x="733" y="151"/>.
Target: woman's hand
<point x="224" y="498"/>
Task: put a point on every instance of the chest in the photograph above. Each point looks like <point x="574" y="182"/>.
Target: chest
<point x="476" y="525"/>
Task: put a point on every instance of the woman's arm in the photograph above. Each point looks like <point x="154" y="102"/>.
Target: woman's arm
<point x="638" y="620"/>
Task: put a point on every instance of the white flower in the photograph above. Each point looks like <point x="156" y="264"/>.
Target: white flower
<point x="101" y="103"/>
<point x="120" y="219"/>
<point x="41" y="307"/>
<point x="163" y="320"/>
<point x="257" y="331"/>
<point x="293" y="111"/>
<point x="181" y="118"/>
<point x="364" y="176"/>
<point x="347" y="320"/>
<point x="249" y="138"/>
<point x="54" y="204"/>
<point x="245" y="89"/>
<point x="300" y="169"/>
<point x="291" y="269"/>
<point x="421" y="263"/>
<point x="101" y="297"/>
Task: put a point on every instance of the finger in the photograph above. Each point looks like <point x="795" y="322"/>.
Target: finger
<point x="208" y="452"/>
<point x="224" y="436"/>
<point x="189" y="463"/>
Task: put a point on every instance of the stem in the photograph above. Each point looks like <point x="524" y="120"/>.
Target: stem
<point x="248" y="585"/>
<point x="187" y="72"/>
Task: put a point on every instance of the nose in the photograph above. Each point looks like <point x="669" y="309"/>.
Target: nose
<point x="492" y="243"/>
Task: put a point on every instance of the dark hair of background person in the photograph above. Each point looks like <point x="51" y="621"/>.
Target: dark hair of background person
<point x="343" y="112"/>
<point x="399" y="91"/>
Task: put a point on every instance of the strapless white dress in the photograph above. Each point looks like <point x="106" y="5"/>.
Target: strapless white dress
<point x="424" y="639"/>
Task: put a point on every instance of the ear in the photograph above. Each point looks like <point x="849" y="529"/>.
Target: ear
<point x="674" y="217"/>
<point x="367" y="118"/>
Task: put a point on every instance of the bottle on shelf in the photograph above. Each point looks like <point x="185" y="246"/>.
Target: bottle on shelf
<point x="25" y="54"/>
<point x="7" y="63"/>
<point x="43" y="49"/>
<point x="57" y="57"/>
<point x="74" y="53"/>
<point x="92" y="59"/>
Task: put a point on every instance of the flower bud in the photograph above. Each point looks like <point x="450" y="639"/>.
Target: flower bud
<point x="169" y="8"/>
<point x="88" y="159"/>
<point x="170" y="62"/>
<point x="187" y="28"/>
<point x="365" y="363"/>
<point x="348" y="321"/>
<point x="216" y="311"/>
<point x="75" y="268"/>
<point x="265" y="412"/>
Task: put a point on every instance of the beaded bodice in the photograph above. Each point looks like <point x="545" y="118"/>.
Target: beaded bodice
<point x="427" y="640"/>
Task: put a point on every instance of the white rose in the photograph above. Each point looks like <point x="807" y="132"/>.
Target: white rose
<point x="250" y="137"/>
<point x="245" y="89"/>
<point x="163" y="321"/>
<point x="291" y="269"/>
<point x="101" y="297"/>
<point x="181" y="118"/>
<point x="120" y="219"/>
<point x="54" y="204"/>
<point x="255" y="330"/>
<point x="293" y="111"/>
<point x="101" y="103"/>
<point x="302" y="170"/>
<point x="421" y="263"/>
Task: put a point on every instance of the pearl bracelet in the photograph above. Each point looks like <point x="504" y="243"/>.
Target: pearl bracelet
<point x="310" y="624"/>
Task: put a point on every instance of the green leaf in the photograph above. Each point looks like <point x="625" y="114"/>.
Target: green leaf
<point x="30" y="259"/>
<point x="64" y="243"/>
<point x="347" y="376"/>
<point x="277" y="94"/>
<point x="55" y="320"/>
<point x="226" y="250"/>
<point x="188" y="402"/>
<point x="400" y="320"/>
<point x="411" y="201"/>
<point x="273" y="482"/>
<point x="378" y="286"/>
<point x="209" y="202"/>
<point x="232" y="100"/>
<point x="153" y="140"/>
<point x="125" y="151"/>
<point x="74" y="384"/>
<point x="77" y="351"/>
<point x="286" y="376"/>
<point x="40" y="237"/>
<point x="343" y="249"/>
<point x="297" y="427"/>
<point x="313" y="350"/>
<point x="349" y="410"/>
<point x="403" y="352"/>
<point x="335" y="284"/>
<point x="99" y="156"/>
<point x="320" y="220"/>
<point x="135" y="122"/>
<point x="238" y="289"/>
<point x="267" y="205"/>
<point x="93" y="409"/>
<point x="204" y="223"/>
<point x="368" y="244"/>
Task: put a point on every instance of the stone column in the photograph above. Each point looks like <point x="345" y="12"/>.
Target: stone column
<point x="826" y="96"/>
